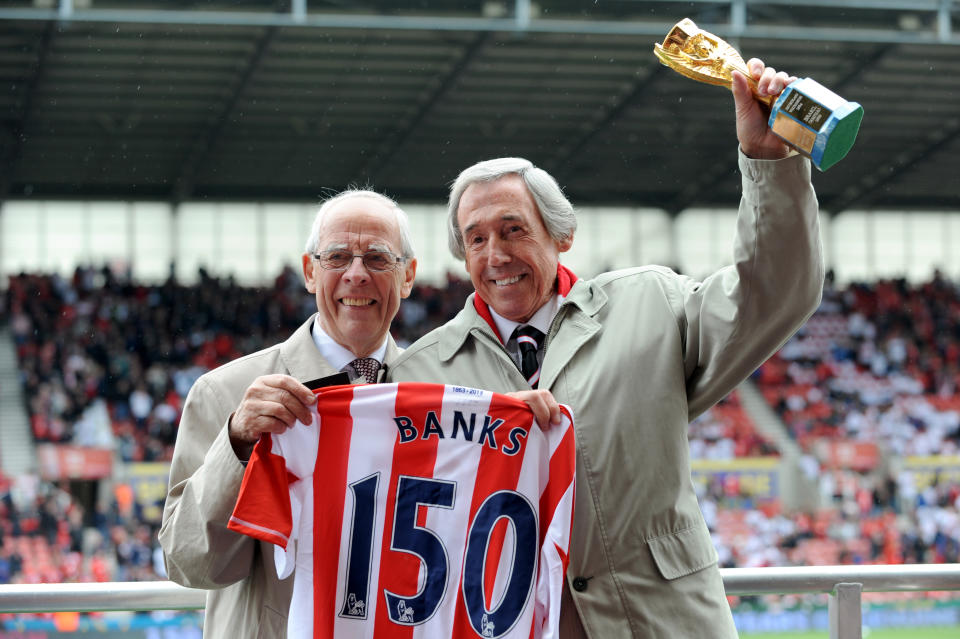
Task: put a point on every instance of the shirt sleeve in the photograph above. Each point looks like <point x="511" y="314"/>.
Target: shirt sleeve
<point x="266" y="507"/>
<point x="263" y="510"/>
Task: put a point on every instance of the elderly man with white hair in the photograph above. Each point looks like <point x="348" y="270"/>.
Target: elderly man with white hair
<point x="358" y="263"/>
<point x="636" y="354"/>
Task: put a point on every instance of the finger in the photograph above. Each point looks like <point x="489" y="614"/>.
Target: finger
<point x="755" y="66"/>
<point x="302" y="394"/>
<point x="778" y="83"/>
<point x="273" y="425"/>
<point x="549" y="412"/>
<point x="246" y="428"/>
<point x="766" y="79"/>
<point x="541" y="412"/>
<point x="285" y="390"/>
<point x="292" y="403"/>
<point x="551" y="405"/>
<point x="742" y="95"/>
<point x="545" y="408"/>
<point x="556" y="415"/>
<point x="252" y="415"/>
<point x="279" y="412"/>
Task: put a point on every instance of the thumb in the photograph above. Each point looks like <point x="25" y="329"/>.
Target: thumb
<point x="742" y="95"/>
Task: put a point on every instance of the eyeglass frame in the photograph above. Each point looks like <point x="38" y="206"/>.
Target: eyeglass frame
<point x="397" y="260"/>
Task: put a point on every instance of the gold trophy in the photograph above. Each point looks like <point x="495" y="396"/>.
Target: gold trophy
<point x="806" y="115"/>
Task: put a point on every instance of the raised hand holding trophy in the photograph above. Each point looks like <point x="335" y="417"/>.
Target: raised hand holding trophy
<point x="806" y="115"/>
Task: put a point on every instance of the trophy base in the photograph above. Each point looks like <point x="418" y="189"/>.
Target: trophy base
<point x="816" y="121"/>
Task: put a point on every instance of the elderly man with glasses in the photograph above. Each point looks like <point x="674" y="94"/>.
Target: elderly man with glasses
<point x="359" y="264"/>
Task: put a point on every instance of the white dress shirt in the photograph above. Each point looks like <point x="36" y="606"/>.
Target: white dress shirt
<point x="336" y="355"/>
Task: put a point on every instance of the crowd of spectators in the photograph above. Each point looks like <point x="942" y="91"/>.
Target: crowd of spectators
<point x="106" y="359"/>
<point x="878" y="366"/>
<point x="46" y="537"/>
<point x="726" y="432"/>
<point x="98" y="340"/>
<point x="877" y="363"/>
<point x="98" y="353"/>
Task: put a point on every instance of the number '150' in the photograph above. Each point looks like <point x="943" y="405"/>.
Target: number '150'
<point x="409" y="537"/>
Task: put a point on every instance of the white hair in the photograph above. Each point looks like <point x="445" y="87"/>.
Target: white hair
<point x="555" y="209"/>
<point x="403" y="223"/>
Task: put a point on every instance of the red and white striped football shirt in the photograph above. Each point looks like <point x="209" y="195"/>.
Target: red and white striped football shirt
<point x="416" y="510"/>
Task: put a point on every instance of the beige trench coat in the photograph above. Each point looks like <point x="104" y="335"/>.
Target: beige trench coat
<point x="637" y="354"/>
<point x="246" y="599"/>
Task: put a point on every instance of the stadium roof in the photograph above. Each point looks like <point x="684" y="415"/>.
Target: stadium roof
<point x="252" y="99"/>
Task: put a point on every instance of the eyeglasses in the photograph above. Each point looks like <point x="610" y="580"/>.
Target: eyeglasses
<point x="375" y="261"/>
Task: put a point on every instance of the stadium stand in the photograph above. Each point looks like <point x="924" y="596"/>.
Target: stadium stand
<point x="103" y="358"/>
<point x="868" y="389"/>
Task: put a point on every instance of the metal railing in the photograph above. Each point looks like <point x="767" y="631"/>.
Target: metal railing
<point x="844" y="584"/>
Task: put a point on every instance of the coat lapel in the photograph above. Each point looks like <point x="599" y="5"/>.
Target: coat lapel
<point x="393" y="351"/>
<point x="301" y="357"/>
<point x="455" y="332"/>
<point x="576" y="325"/>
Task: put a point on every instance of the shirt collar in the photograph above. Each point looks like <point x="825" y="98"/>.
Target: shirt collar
<point x="335" y="354"/>
<point x="540" y="320"/>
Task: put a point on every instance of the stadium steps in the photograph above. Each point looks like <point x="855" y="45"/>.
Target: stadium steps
<point x="797" y="490"/>
<point x="17" y="453"/>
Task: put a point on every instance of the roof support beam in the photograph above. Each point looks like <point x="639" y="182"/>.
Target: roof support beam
<point x="10" y="159"/>
<point x="395" y="141"/>
<point x="183" y="186"/>
<point x="869" y="188"/>
<point x="560" y="166"/>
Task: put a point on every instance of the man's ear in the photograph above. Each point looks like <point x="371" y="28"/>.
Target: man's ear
<point x="564" y="245"/>
<point x="409" y="274"/>
<point x="309" y="271"/>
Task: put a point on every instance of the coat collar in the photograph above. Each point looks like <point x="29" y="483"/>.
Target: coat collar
<point x="577" y="315"/>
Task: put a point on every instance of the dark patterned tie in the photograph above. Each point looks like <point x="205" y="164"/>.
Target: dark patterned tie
<point x="528" y="341"/>
<point x="366" y="368"/>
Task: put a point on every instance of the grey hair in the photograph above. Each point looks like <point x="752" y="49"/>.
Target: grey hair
<point x="406" y="243"/>
<point x="555" y="209"/>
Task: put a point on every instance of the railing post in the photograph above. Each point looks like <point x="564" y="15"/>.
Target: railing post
<point x="846" y="620"/>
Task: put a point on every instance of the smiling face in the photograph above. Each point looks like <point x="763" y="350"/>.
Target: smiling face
<point x="510" y="256"/>
<point x="357" y="305"/>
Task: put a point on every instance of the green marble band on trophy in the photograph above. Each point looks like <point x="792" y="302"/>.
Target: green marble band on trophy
<point x="806" y="115"/>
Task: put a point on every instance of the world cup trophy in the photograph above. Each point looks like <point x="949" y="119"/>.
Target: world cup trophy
<point x="806" y="115"/>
